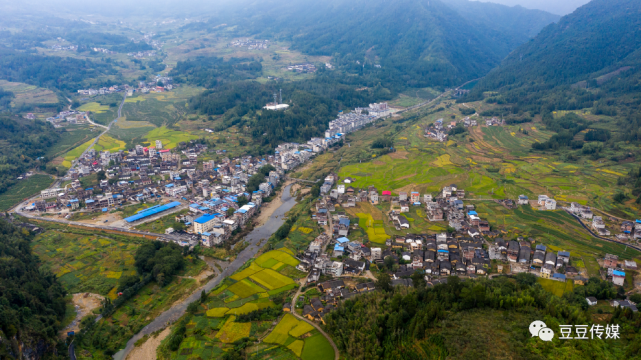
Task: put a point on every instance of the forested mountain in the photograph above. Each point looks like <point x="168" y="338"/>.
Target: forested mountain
<point x="53" y="72"/>
<point x="31" y="300"/>
<point x="590" y="59"/>
<point x="484" y="319"/>
<point x="421" y="42"/>
<point x="313" y="103"/>
<point x="597" y="38"/>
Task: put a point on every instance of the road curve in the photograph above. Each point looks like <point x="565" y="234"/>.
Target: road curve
<point x="336" y="352"/>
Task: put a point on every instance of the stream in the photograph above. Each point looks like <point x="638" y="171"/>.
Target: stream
<point x="253" y="238"/>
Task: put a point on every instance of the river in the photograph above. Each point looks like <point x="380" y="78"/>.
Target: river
<point x="174" y="313"/>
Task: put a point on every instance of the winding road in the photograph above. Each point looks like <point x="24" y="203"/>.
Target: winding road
<point x="107" y="128"/>
<point x="329" y="338"/>
<point x="254" y="238"/>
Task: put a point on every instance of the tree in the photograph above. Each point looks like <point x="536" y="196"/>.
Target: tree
<point x="179" y="226"/>
<point x="192" y="308"/>
<point x="127" y="281"/>
<point x="384" y="282"/>
<point x="203" y="297"/>
<point x="230" y="212"/>
<point x="242" y="201"/>
<point x="100" y="175"/>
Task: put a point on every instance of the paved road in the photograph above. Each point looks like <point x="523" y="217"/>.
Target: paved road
<point x="107" y="128"/>
<point x="170" y="237"/>
<point x="72" y="351"/>
<point x="254" y="237"/>
<point x="599" y="237"/>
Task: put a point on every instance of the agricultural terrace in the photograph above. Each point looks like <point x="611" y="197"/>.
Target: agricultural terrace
<point x="25" y="94"/>
<point x="301" y="338"/>
<point x="87" y="262"/>
<point x="107" y="143"/>
<point x="170" y="138"/>
<point x="488" y="162"/>
<point x="75" y="153"/>
<point x="557" y="288"/>
<point x="264" y="282"/>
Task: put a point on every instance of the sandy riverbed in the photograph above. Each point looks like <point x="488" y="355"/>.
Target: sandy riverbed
<point x="147" y="351"/>
<point x="268" y="209"/>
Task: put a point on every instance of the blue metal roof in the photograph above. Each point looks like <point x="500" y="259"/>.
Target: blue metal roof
<point x="472" y="213"/>
<point x="558" y="276"/>
<point x="338" y="248"/>
<point x="564" y="253"/>
<point x="105" y="209"/>
<point x="618" y="273"/>
<point x="443" y="251"/>
<point x="152" y="211"/>
<point x="342" y="240"/>
<point x="205" y="218"/>
<point x="344" y="221"/>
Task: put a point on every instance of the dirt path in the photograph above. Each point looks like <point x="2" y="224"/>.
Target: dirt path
<point x="336" y="352"/>
<point x="147" y="351"/>
<point x="84" y="303"/>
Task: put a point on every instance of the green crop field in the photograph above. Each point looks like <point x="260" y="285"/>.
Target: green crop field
<point x="170" y="138"/>
<point x="271" y="258"/>
<point x="24" y="189"/>
<point x="252" y="269"/>
<point x="70" y="138"/>
<point x="86" y="264"/>
<point x="301" y="329"/>
<point x="271" y="279"/>
<point x="107" y="143"/>
<point x="280" y="334"/>
<point x="556" y="287"/>
<point x="233" y="331"/>
<point x="245" y="288"/>
<point x="75" y="153"/>
<point x="317" y="348"/>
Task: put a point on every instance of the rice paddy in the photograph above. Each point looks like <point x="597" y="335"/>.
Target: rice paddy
<point x="170" y="138"/>
<point x="233" y="331"/>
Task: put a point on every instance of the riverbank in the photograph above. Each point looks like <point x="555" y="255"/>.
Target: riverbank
<point x="162" y="321"/>
<point x="268" y="209"/>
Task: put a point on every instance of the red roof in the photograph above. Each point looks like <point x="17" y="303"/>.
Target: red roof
<point x="95" y="163"/>
<point x="387" y="192"/>
<point x="145" y="149"/>
<point x="164" y="151"/>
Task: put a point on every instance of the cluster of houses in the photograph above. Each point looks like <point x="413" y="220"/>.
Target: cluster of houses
<point x="464" y="252"/>
<point x="143" y="87"/>
<point x="65" y="117"/>
<point x="103" y="50"/>
<point x="439" y="129"/>
<point x="57" y="47"/>
<point x="348" y="122"/>
<point x="142" y="54"/>
<point x="302" y="68"/>
<point x="104" y="90"/>
<point x="250" y="44"/>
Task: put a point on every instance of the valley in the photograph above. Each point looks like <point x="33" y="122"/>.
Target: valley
<point x="361" y="180"/>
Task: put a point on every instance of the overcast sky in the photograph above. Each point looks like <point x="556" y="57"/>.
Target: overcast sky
<point x="559" y="7"/>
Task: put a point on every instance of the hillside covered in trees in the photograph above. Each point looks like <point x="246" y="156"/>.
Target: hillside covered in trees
<point x="22" y="142"/>
<point x="416" y="43"/>
<point x="32" y="302"/>
<point x="53" y="72"/>
<point x="477" y="319"/>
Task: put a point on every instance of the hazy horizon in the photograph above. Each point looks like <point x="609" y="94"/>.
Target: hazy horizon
<point x="558" y="7"/>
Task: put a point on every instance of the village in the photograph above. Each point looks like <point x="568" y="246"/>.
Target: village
<point x="250" y="44"/>
<point x="439" y="131"/>
<point x="469" y="250"/>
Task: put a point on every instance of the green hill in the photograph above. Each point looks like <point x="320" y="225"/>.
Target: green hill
<point x="422" y="43"/>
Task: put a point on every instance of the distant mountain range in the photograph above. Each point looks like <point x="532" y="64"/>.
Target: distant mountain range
<point x="595" y="41"/>
<point x="427" y="41"/>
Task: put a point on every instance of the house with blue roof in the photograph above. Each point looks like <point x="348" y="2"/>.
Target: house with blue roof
<point x="204" y="223"/>
<point x="558" y="277"/>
